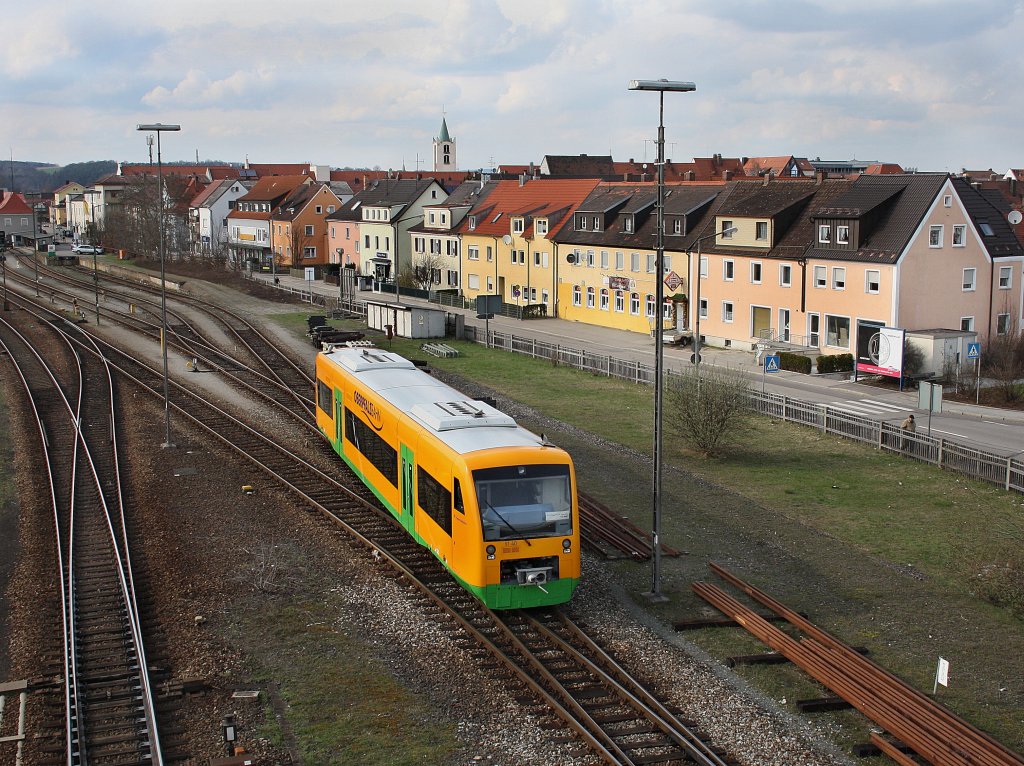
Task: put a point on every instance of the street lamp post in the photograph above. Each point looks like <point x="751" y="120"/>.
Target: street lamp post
<point x="158" y="129"/>
<point x="3" y="265"/>
<point x="660" y="86"/>
<point x="95" y="269"/>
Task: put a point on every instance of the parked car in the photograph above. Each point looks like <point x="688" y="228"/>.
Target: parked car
<point x="87" y="249"/>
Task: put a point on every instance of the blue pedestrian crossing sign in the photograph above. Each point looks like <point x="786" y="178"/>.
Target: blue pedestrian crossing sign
<point x="771" y="363"/>
<point x="974" y="351"/>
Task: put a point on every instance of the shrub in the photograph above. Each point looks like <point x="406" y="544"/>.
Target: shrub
<point x="795" y="362"/>
<point x="835" y="363"/>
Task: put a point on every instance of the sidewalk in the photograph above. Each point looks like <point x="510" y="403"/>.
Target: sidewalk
<point x="632" y="346"/>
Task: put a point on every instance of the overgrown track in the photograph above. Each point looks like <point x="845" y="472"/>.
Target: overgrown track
<point x="108" y="711"/>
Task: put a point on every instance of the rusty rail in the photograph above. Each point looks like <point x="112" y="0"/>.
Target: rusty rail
<point x="602" y="526"/>
<point x="929" y="729"/>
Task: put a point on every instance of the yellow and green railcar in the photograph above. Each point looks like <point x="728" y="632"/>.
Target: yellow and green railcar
<point x="494" y="502"/>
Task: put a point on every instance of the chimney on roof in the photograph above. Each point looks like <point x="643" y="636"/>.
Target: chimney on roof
<point x="743" y="160"/>
<point x="631" y="160"/>
<point x="726" y="175"/>
<point x="522" y="179"/>
<point x="689" y="176"/>
<point x="819" y="176"/>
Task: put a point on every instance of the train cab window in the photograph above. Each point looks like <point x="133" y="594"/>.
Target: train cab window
<point x="382" y="455"/>
<point x="324" y="398"/>
<point x="434" y="499"/>
<point x="524" y="501"/>
<point x="457" y="497"/>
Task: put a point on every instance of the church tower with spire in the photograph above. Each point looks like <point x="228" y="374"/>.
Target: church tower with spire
<point x="444" y="151"/>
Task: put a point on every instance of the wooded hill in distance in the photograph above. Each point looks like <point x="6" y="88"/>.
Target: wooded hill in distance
<point x="41" y="178"/>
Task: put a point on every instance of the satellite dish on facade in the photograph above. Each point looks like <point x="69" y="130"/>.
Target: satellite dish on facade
<point x="1015" y="217"/>
<point x="507" y="239"/>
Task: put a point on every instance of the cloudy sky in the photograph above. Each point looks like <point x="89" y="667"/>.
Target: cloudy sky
<point x="931" y="84"/>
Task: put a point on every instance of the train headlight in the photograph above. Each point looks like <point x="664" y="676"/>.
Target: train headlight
<point x="490" y="552"/>
<point x="566" y="545"/>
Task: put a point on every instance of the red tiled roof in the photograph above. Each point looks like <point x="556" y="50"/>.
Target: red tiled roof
<point x="204" y="194"/>
<point x="883" y="168"/>
<point x="14" y="203"/>
<point x="538" y="198"/>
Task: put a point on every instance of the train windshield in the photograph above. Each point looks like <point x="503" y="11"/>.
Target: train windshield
<point x="524" y="501"/>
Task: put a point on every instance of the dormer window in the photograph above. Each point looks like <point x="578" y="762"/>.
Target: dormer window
<point x="761" y="231"/>
<point x="518" y="225"/>
<point x="472" y="222"/>
<point x="581" y="223"/>
<point x="627" y="223"/>
<point x="842" y="235"/>
<point x="824" y="233"/>
<point x="541" y="226"/>
<point x="677" y="226"/>
<point x="597" y="223"/>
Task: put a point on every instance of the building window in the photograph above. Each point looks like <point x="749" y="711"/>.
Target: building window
<point x="518" y="225"/>
<point x="728" y="270"/>
<point x="726" y="311"/>
<point x="969" y="279"/>
<point x="604" y="299"/>
<point x="814" y="330"/>
<point x="634" y="262"/>
<point x="726" y="234"/>
<point x="837" y="331"/>
<point x="597" y="223"/>
<point x="309" y="252"/>
<point x="474" y="253"/>
<point x="839" y="278"/>
<point x="604" y="259"/>
<point x="590" y="297"/>
<point x="842" y="235"/>
<point x="761" y="231"/>
<point x="784" y="325"/>
<point x="627" y="224"/>
<point x="473" y="281"/>
<point x="309" y="231"/>
<point x="677" y="226"/>
<point x="1005" y="277"/>
<point x="967" y="324"/>
<point x="319" y="209"/>
<point x="755" y="272"/>
<point x="472" y="222"/>
<point x="703" y="267"/>
<point x="824" y="233"/>
<point x="872" y="281"/>
<point x="652" y="262"/>
<point x="986" y="228"/>
<point x="634" y="304"/>
<point x="649" y="306"/>
<point x="577" y="296"/>
<point x="620" y="261"/>
<point x="935" y="236"/>
<point x="947" y="201"/>
<point x="541" y="226"/>
<point x="703" y="308"/>
<point x="820" y="277"/>
<point x="1002" y="324"/>
<point x="959" y="235"/>
<point x="490" y="254"/>
<point x="590" y="258"/>
<point x="620" y="301"/>
<point x="785" y="275"/>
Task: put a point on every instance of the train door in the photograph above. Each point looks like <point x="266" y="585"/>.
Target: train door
<point x="408" y="479"/>
<point x="339" y="411"/>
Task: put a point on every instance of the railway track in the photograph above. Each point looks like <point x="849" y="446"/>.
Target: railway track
<point x="609" y="712"/>
<point x="108" y="712"/>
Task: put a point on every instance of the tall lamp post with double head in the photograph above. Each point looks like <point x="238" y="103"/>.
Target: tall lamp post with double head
<point x="158" y="128"/>
<point x="661" y="87"/>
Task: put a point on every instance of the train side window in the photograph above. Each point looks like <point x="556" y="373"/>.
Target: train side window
<point x="382" y="455"/>
<point x="324" y="400"/>
<point x="434" y="499"/>
<point x="457" y="502"/>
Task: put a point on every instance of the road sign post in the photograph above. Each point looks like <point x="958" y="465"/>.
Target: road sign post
<point x="974" y="352"/>
<point x="771" y="364"/>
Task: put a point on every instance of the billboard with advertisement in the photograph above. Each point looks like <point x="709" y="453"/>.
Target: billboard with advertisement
<point x="879" y="349"/>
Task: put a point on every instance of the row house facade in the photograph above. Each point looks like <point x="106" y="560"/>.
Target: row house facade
<point x="208" y="214"/>
<point x="608" y="255"/>
<point x="249" y="223"/>
<point x="298" y="226"/>
<point x="372" y="229"/>
<point x="911" y="251"/>
<point x="508" y="240"/>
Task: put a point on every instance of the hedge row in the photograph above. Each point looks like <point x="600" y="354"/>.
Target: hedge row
<point x="795" y="363"/>
<point x="835" y="363"/>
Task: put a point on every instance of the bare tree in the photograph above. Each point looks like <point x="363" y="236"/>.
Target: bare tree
<point x="707" y="406"/>
<point x="426" y="270"/>
<point x="1003" y="360"/>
